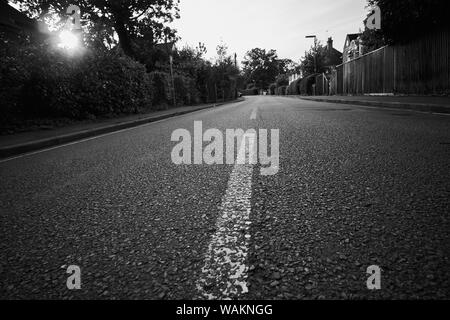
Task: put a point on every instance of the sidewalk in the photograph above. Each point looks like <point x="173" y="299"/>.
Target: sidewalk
<point x="15" y="144"/>
<point x="416" y="103"/>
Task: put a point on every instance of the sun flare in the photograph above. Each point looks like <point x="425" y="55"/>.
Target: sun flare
<point x="68" y="40"/>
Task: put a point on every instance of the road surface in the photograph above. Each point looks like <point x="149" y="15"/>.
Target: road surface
<point x="356" y="187"/>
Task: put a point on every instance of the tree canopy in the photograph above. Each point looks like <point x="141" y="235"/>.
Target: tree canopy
<point x="314" y="60"/>
<point x="131" y="23"/>
<point x="286" y="66"/>
<point x="403" y="20"/>
<point x="261" y="67"/>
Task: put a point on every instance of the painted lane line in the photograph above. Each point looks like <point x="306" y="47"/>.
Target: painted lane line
<point x="254" y="114"/>
<point x="225" y="270"/>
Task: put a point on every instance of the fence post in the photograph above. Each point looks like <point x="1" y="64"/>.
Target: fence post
<point x="323" y="83"/>
<point x="363" y="74"/>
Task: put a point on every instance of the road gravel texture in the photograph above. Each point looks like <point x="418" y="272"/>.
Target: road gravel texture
<point x="356" y="187"/>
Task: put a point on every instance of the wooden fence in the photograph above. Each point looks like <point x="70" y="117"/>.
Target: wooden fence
<point x="321" y="86"/>
<point x="419" y="67"/>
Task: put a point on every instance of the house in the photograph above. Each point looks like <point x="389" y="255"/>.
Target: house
<point x="333" y="57"/>
<point x="295" y="77"/>
<point x="353" y="47"/>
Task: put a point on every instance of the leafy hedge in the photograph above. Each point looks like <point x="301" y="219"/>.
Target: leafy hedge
<point x="305" y="86"/>
<point x="272" y="89"/>
<point x="186" y="92"/>
<point x="38" y="82"/>
<point x="281" y="91"/>
<point x="293" y="88"/>
<point x="162" y="89"/>
<point x="302" y="86"/>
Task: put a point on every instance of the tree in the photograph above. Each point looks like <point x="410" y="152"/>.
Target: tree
<point x="372" y="40"/>
<point x="222" y="52"/>
<point x="403" y="20"/>
<point x="282" y="80"/>
<point x="214" y="81"/>
<point x="314" y="60"/>
<point x="286" y="66"/>
<point x="261" y="67"/>
<point x="136" y="23"/>
<point x="225" y="73"/>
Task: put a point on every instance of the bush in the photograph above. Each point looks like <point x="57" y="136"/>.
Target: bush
<point x="112" y="84"/>
<point x="293" y="88"/>
<point x="97" y="84"/>
<point x="305" y="85"/>
<point x="185" y="90"/>
<point x="14" y="72"/>
<point x="282" y="91"/>
<point x="272" y="89"/>
<point x="162" y="94"/>
<point x="39" y="82"/>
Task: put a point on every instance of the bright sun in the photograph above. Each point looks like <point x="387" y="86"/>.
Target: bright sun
<point x="68" y="40"/>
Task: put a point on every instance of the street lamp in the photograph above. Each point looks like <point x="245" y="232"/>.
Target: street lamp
<point x="315" y="50"/>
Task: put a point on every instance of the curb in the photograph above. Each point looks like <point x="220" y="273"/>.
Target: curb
<point x="18" y="149"/>
<point x="431" y="108"/>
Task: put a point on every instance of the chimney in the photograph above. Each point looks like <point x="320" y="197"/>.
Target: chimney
<point x="330" y="44"/>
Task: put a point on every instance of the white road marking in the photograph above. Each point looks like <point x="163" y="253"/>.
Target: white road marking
<point x="254" y="114"/>
<point x="225" y="270"/>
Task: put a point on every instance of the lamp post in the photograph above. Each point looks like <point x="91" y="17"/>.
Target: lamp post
<point x="315" y="51"/>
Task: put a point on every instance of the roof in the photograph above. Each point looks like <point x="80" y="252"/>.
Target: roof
<point x="335" y="52"/>
<point x="353" y="36"/>
<point x="333" y="58"/>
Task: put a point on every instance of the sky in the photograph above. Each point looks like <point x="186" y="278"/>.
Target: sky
<point x="269" y="24"/>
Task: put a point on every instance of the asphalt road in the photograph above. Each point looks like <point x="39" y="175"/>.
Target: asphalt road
<point x="356" y="187"/>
